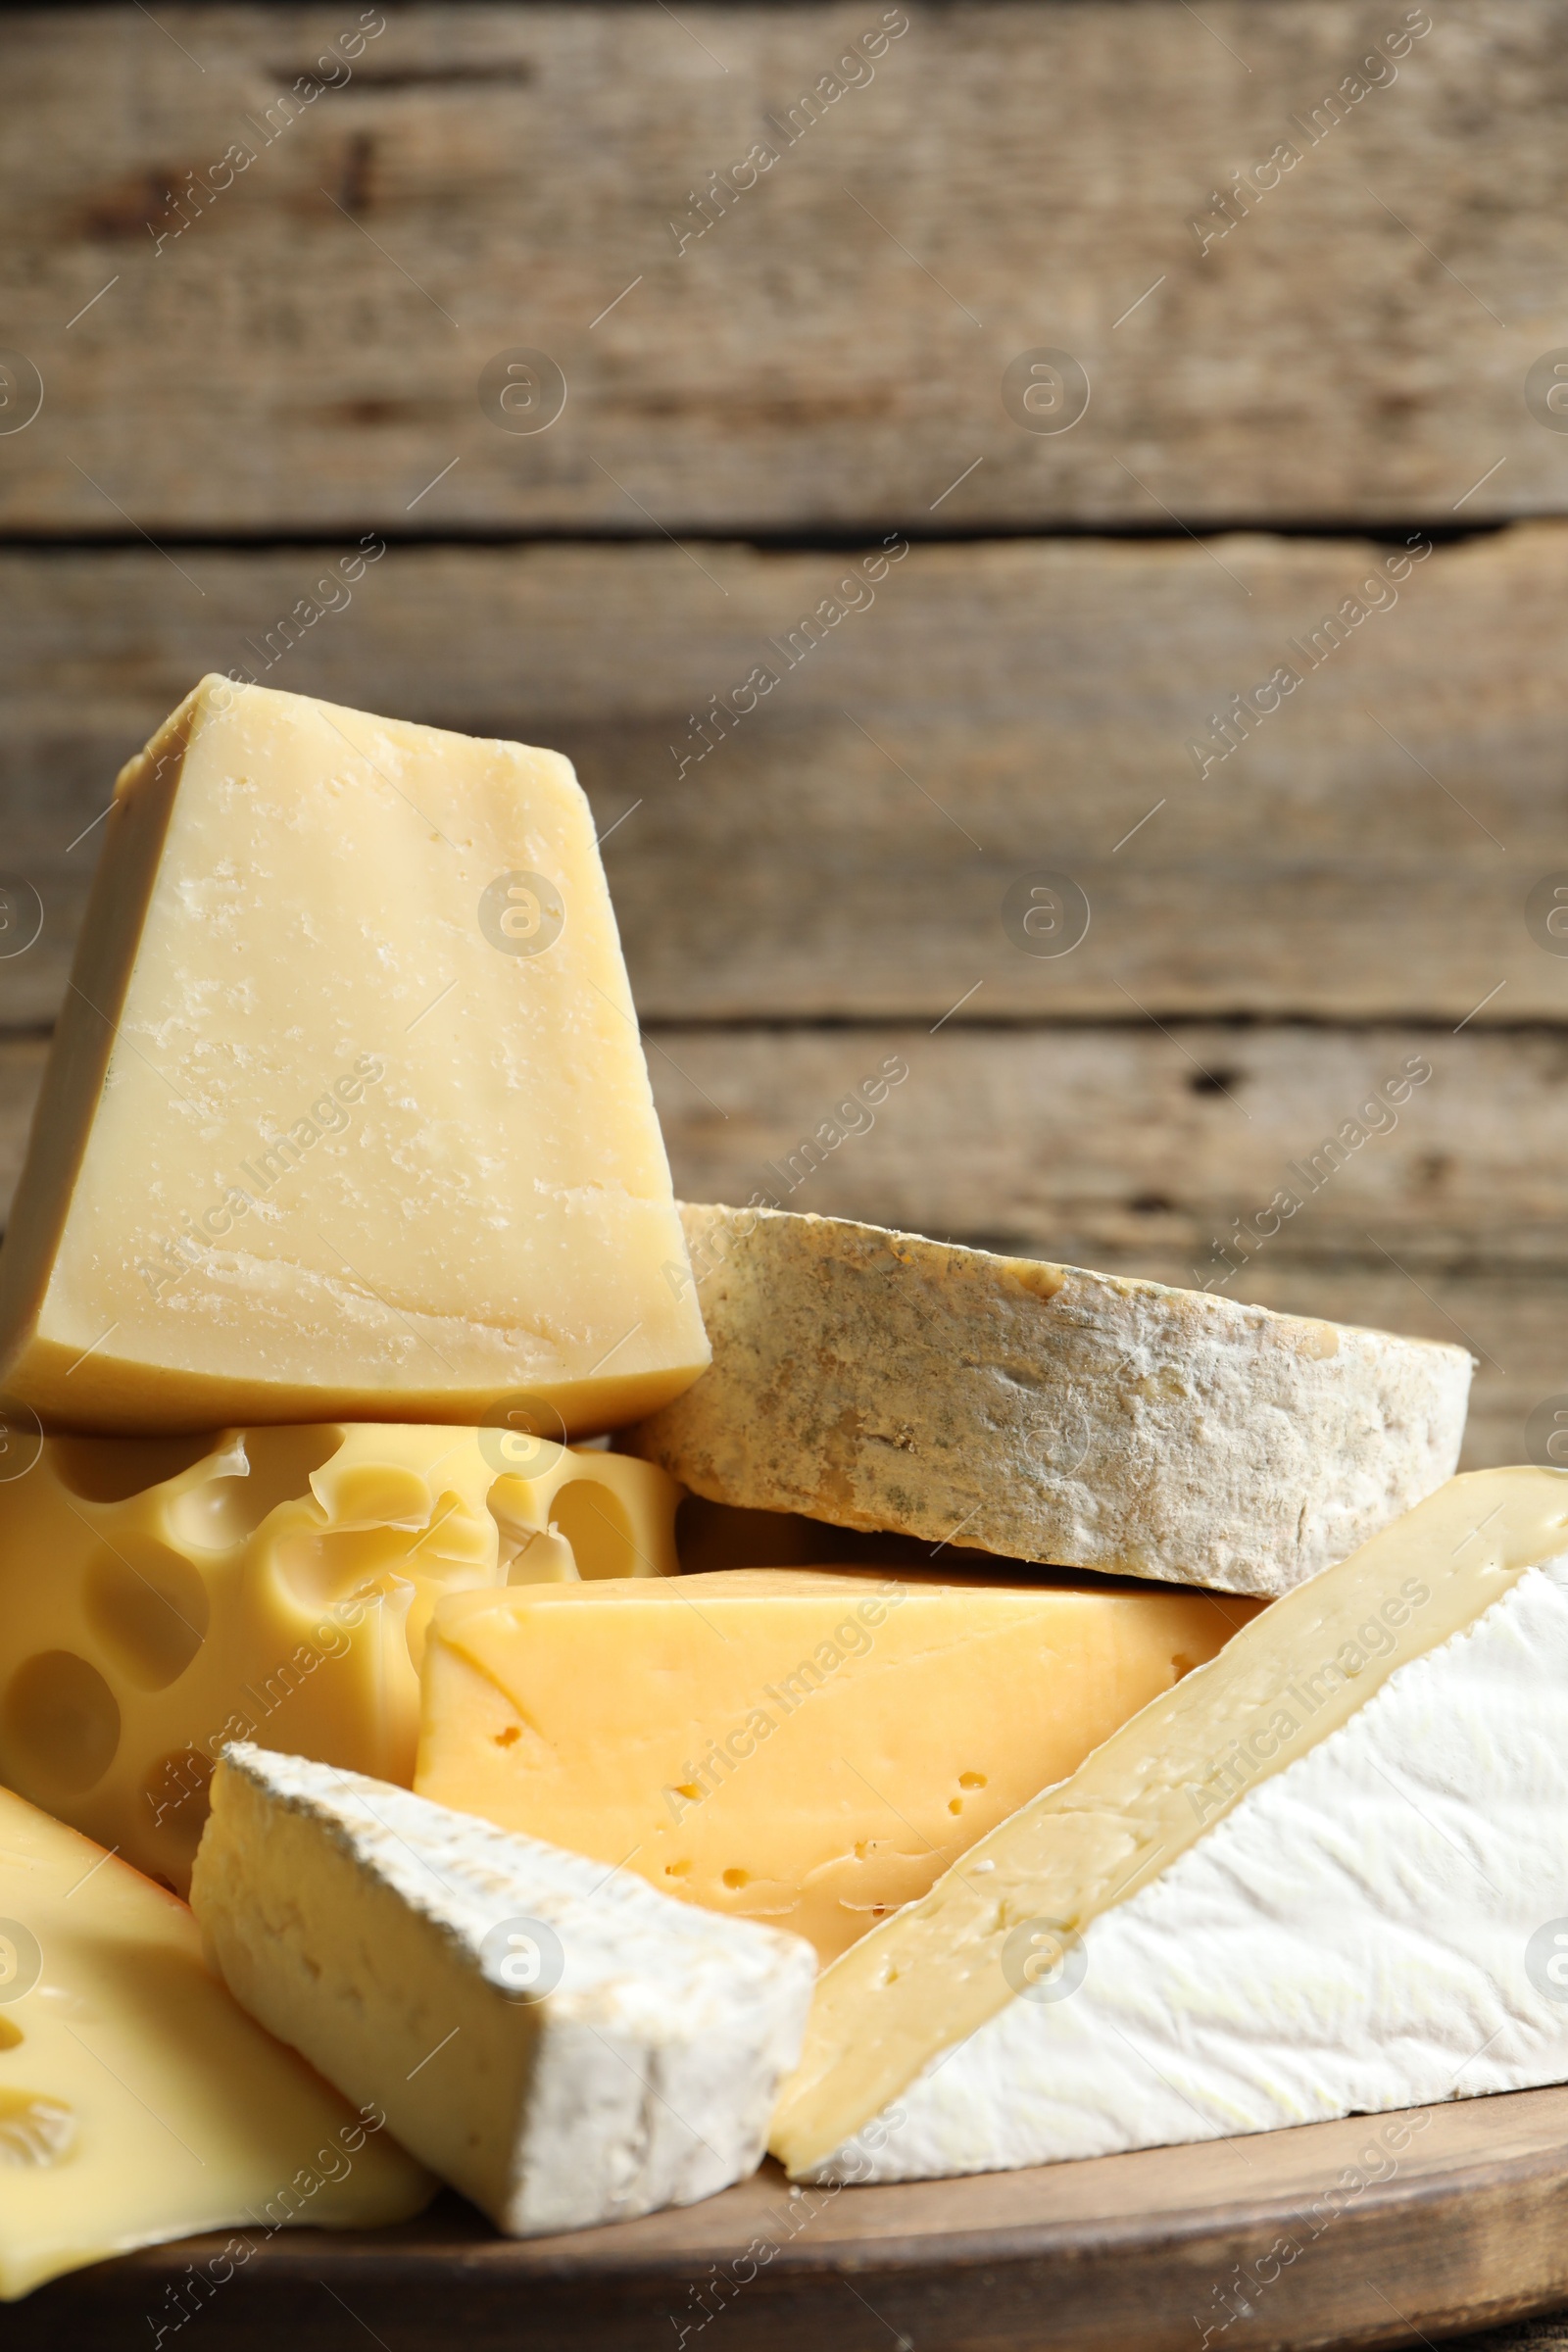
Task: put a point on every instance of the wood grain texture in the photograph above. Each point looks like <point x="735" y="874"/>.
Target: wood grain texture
<point x="1117" y="1150"/>
<point x="1111" y="1149"/>
<point x="1377" y="2230"/>
<point x="1366" y="852"/>
<point x="306" y="351"/>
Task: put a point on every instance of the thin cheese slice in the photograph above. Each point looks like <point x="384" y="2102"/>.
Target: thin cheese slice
<point x="1325" y="1875"/>
<point x="1044" y="1412"/>
<point x="803" y="1747"/>
<point x="560" y="2042"/>
<point x="137" y="2101"/>
<point x="347" y="1116"/>
<point x="159" y="1596"/>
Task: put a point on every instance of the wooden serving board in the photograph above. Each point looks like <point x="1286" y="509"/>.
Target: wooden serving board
<point x="1377" y="2230"/>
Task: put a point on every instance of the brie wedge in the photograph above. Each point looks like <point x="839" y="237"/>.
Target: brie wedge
<point x="1325" y="1875"/>
<point x="555" y="2039"/>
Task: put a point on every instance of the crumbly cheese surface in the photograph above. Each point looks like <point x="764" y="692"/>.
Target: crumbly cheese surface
<point x="880" y="1380"/>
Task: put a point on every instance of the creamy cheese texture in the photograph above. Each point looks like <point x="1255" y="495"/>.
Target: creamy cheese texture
<point x="347" y="1116"/>
<point x="555" y="2039"/>
<point x="159" y="1596"/>
<point x="1324" y="1876"/>
<point x="801" y="1746"/>
<point x="1045" y="1412"/>
<point x="137" y="2101"/>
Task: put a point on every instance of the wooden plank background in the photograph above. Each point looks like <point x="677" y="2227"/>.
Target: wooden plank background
<point x="1023" y="642"/>
<point x="1002" y="179"/>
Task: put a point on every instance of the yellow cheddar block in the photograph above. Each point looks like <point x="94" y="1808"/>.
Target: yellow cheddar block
<point x="161" y="1596"/>
<point x="347" y="1116"/>
<point x="807" y="1746"/>
<point x="137" y="2100"/>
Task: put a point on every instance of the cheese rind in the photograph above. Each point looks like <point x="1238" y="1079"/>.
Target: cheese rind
<point x="1043" y="1412"/>
<point x="803" y="1746"/>
<point x="1295" y="1884"/>
<point x="556" y="2040"/>
<point x="137" y="2101"/>
<point x="160" y="1597"/>
<point x="328" y="1132"/>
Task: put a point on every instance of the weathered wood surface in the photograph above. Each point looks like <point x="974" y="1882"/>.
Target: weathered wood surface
<point x="306" y="351"/>
<point x="1116" y="1149"/>
<point x="1379" y="2230"/>
<point x="1366" y="854"/>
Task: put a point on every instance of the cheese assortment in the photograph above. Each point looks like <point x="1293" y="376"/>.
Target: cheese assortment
<point x="1044" y="1412"/>
<point x="1319" y="1878"/>
<point x="137" y="2100"/>
<point x="802" y="1747"/>
<point x="267" y="1582"/>
<point x="559" y="2041"/>
<point x="1064" y="1714"/>
<point x="347" y="1116"/>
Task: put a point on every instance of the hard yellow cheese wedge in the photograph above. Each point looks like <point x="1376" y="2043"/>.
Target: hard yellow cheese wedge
<point x="347" y="1114"/>
<point x="161" y="1596"/>
<point x="137" y="2101"/>
<point x="803" y="1747"/>
<point x="1315" y="1879"/>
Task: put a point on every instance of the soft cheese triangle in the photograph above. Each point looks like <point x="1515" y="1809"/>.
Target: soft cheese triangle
<point x="1320" y="1877"/>
<point x="137" y="2102"/>
<point x="555" y="2039"/>
<point x="1044" y="1412"/>
<point x="347" y="1116"/>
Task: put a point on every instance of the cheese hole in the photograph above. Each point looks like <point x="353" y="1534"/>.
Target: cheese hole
<point x="35" y="2133"/>
<point x="596" y="1524"/>
<point x="221" y="1511"/>
<point x="113" y="1469"/>
<point x="737" y="1878"/>
<point x="971" y="1780"/>
<point x="59" y="1724"/>
<point x="175" y="1794"/>
<point x="954" y="1804"/>
<point x="509" y="1737"/>
<point x="319" y="1569"/>
<point x="149" y="1608"/>
<point x="10" y="2035"/>
<point x="677" y="1870"/>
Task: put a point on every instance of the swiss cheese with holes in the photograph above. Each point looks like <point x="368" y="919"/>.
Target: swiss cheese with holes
<point x="159" y="1596"/>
